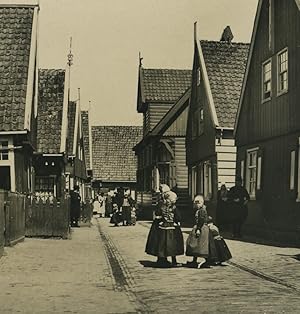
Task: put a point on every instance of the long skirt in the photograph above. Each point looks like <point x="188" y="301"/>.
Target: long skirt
<point x="116" y="217"/>
<point x="223" y="251"/>
<point x="170" y="242"/>
<point x="152" y="240"/>
<point x="108" y="209"/>
<point x="198" y="245"/>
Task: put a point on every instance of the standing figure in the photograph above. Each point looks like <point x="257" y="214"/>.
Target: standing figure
<point x="200" y="242"/>
<point x="75" y="206"/>
<point x="127" y="204"/>
<point x="101" y="200"/>
<point x="108" y="204"/>
<point x="170" y="239"/>
<point x="221" y="210"/>
<point x="239" y="198"/>
<point x="152" y="240"/>
<point x="116" y="217"/>
<point x="223" y="252"/>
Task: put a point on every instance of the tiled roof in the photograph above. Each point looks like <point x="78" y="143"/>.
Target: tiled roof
<point x="71" y="126"/>
<point x="225" y="63"/>
<point x="86" y="137"/>
<point x="165" y="85"/>
<point x="15" y="39"/>
<point x="113" y="157"/>
<point x="50" y="108"/>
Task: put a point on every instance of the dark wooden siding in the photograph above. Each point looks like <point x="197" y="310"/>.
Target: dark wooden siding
<point x="178" y="127"/>
<point x="281" y="114"/>
<point x="201" y="146"/>
<point x="275" y="207"/>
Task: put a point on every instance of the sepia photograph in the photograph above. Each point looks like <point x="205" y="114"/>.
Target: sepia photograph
<point x="149" y="156"/>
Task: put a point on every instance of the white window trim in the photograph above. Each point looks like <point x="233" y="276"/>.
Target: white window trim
<point x="258" y="173"/>
<point x="298" y="188"/>
<point x="281" y="92"/>
<point x="247" y="181"/>
<point x="243" y="170"/>
<point x="292" y="170"/>
<point x="263" y="100"/>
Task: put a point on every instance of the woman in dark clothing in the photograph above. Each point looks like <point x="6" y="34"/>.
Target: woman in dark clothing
<point x="221" y="211"/>
<point x="127" y="205"/>
<point x="238" y="197"/>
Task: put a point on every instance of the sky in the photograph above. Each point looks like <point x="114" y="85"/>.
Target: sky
<point x="107" y="36"/>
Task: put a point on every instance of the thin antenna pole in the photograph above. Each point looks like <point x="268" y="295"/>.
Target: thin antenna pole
<point x="140" y="59"/>
<point x="70" y="62"/>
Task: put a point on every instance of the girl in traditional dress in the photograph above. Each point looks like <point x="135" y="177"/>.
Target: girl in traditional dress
<point x="116" y="217"/>
<point x="152" y="240"/>
<point x="223" y="253"/>
<point x="170" y="239"/>
<point x="200" y="242"/>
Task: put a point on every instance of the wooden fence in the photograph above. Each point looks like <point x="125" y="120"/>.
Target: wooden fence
<point x="48" y="218"/>
<point x="13" y="217"/>
<point x="2" y="239"/>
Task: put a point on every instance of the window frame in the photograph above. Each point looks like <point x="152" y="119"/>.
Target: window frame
<point x="248" y="182"/>
<point x="263" y="80"/>
<point x="285" y="90"/>
<point x="4" y="150"/>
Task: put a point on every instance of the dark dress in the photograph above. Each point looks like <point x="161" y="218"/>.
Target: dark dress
<point x="170" y="238"/>
<point x="75" y="207"/>
<point x="108" y="206"/>
<point x="222" y="208"/>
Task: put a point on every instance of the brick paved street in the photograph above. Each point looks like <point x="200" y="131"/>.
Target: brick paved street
<point x="104" y="269"/>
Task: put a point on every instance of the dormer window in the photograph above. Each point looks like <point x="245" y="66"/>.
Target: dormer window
<point x="282" y="78"/>
<point x="267" y="80"/>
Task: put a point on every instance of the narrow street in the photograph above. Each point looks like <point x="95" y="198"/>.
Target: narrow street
<point x="104" y="269"/>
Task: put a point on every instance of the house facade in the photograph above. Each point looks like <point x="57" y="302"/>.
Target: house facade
<point x="267" y="129"/>
<point x="218" y="70"/>
<point x="18" y="96"/>
<point x="113" y="161"/>
<point x="50" y="157"/>
<point x="161" y="148"/>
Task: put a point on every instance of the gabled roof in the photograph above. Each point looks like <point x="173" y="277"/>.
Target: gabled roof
<point x="50" y="110"/>
<point x="172" y="114"/>
<point x="255" y="27"/>
<point x="225" y="64"/>
<point x="163" y="85"/>
<point x="71" y="126"/>
<point x="17" y="55"/>
<point x="86" y="138"/>
<point x="113" y="157"/>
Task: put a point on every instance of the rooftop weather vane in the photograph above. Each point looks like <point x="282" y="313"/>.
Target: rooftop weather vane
<point x="70" y="55"/>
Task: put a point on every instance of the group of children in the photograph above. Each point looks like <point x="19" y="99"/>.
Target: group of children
<point x="118" y="216"/>
<point x="165" y="236"/>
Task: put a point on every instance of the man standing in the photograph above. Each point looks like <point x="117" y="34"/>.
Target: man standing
<point x="75" y="206"/>
<point x="239" y="198"/>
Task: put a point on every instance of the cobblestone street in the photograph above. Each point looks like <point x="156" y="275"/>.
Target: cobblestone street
<point x="104" y="269"/>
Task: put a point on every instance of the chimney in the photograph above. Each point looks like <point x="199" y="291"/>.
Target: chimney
<point x="227" y="35"/>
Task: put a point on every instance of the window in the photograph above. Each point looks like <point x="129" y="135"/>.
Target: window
<point x="44" y="184"/>
<point x="267" y="77"/>
<point x="198" y="122"/>
<point x="4" y="150"/>
<point x="198" y="76"/>
<point x="251" y="172"/>
<point x="282" y="85"/>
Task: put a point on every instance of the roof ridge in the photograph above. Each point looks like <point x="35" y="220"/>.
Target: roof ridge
<point x="166" y="69"/>
<point x="225" y="42"/>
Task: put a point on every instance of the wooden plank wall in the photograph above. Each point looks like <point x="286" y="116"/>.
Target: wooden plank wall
<point x="2" y="226"/>
<point x="226" y="160"/>
<point x="178" y="127"/>
<point x="181" y="168"/>
<point x="156" y="112"/>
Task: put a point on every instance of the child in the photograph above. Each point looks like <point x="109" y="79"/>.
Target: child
<point x="133" y="216"/>
<point x="223" y="253"/>
<point x="198" y="243"/>
<point x="116" y="217"/>
<point x="170" y="239"/>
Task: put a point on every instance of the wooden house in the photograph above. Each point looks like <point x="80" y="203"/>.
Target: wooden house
<point x="18" y="97"/>
<point x="218" y="70"/>
<point x="52" y="116"/>
<point x="267" y="129"/>
<point x="113" y="161"/>
<point x="161" y="149"/>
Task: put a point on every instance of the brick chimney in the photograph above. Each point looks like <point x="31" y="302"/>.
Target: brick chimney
<point x="227" y="34"/>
